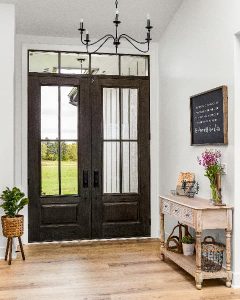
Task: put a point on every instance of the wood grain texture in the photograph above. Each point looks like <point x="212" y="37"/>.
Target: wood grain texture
<point x="120" y="270"/>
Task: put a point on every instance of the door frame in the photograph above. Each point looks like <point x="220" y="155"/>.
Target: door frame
<point x="21" y="104"/>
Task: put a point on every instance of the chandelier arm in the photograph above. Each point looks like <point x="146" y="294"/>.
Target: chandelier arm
<point x="123" y="35"/>
<point x="82" y="41"/>
<point x="143" y="51"/>
<point x="109" y="37"/>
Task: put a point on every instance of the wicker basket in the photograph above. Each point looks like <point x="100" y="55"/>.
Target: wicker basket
<point x="12" y="227"/>
<point x="212" y="255"/>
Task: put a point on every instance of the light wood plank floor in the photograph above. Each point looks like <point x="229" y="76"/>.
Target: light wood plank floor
<point x="129" y="270"/>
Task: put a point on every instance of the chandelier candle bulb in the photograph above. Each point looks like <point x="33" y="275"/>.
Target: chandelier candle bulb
<point x="81" y="23"/>
<point x="87" y="36"/>
<point x="148" y="21"/>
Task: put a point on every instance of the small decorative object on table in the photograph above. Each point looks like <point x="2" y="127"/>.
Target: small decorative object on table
<point x="184" y="176"/>
<point x="210" y="160"/>
<point x="191" y="188"/>
<point x="12" y="224"/>
<point x="188" y="244"/>
<point x="212" y="255"/>
<point x="173" y="192"/>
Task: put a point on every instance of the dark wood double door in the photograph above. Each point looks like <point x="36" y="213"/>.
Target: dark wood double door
<point x="88" y="157"/>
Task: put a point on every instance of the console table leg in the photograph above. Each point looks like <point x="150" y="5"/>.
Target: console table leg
<point x="228" y="258"/>
<point x="162" y="237"/>
<point x="198" y="275"/>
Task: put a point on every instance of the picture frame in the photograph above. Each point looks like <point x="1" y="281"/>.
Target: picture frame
<point x="209" y="117"/>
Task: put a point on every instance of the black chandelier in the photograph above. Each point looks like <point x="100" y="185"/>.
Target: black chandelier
<point x="117" y="38"/>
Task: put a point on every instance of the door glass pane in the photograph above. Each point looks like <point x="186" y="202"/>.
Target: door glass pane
<point x="49" y="168"/>
<point x="69" y="112"/>
<point x="129" y="113"/>
<point x="49" y="112"/>
<point x="74" y="63"/>
<point x="69" y="167"/>
<point x="104" y="64"/>
<point x="111" y="167"/>
<point x="134" y="65"/>
<point x="43" y="62"/>
<point x="111" y="113"/>
<point x="129" y="167"/>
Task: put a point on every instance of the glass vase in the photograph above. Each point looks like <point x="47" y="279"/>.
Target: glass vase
<point x="215" y="186"/>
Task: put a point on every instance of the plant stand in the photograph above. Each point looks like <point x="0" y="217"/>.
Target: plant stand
<point x="8" y="253"/>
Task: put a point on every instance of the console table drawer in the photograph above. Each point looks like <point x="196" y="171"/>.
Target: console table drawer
<point x="183" y="213"/>
<point x="166" y="207"/>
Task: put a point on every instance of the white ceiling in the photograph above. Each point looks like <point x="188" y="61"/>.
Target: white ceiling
<point x="61" y="17"/>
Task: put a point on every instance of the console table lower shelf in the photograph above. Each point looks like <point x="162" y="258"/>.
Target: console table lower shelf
<point x="188" y="263"/>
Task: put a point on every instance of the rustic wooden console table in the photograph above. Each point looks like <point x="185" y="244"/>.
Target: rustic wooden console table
<point x="200" y="215"/>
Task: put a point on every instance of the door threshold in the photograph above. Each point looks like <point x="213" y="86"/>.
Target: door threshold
<point x="101" y="241"/>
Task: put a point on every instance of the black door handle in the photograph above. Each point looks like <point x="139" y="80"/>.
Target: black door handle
<point x="95" y="179"/>
<point x="85" y="179"/>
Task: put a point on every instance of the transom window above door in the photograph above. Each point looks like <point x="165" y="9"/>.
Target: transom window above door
<point x="83" y="63"/>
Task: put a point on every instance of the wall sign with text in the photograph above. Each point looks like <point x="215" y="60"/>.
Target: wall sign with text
<point x="209" y="117"/>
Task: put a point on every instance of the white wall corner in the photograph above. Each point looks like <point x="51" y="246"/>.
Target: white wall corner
<point x="7" y="33"/>
<point x="236" y="220"/>
<point x="154" y="144"/>
<point x="236" y="280"/>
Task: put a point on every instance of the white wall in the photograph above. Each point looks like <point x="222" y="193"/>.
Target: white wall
<point x="196" y="53"/>
<point x="23" y="43"/>
<point x="7" y="34"/>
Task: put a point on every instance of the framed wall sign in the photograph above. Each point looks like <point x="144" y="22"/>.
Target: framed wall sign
<point x="209" y="117"/>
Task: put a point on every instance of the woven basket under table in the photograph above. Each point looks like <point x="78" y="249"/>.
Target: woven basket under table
<point x="12" y="227"/>
<point x="212" y="255"/>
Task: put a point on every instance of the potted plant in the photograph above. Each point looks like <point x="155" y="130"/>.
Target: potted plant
<point x="13" y="201"/>
<point x="188" y="243"/>
<point x="210" y="160"/>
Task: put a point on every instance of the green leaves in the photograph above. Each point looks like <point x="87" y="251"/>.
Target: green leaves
<point x="13" y="201"/>
<point x="188" y="239"/>
<point x="212" y="171"/>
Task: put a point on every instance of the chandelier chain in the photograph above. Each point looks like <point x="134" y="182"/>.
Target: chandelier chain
<point x="116" y="4"/>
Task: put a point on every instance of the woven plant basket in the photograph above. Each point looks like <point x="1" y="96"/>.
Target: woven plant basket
<point x="12" y="227"/>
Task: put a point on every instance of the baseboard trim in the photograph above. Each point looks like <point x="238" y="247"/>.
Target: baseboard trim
<point x="102" y="241"/>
